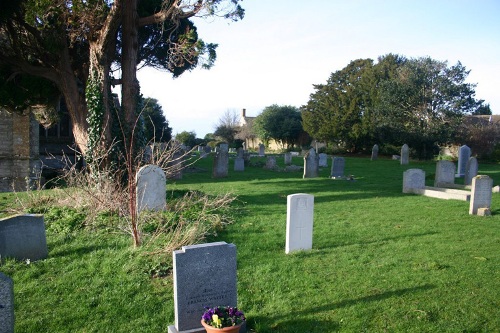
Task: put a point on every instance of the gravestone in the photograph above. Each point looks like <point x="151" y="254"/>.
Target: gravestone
<point x="323" y="160"/>
<point x="239" y="164"/>
<point x="338" y="164"/>
<point x="150" y="189"/>
<point x="288" y="158"/>
<point x="270" y="162"/>
<point x="405" y="154"/>
<point x="6" y="304"/>
<point x="206" y="151"/>
<point x="23" y="237"/>
<point x="471" y="170"/>
<point x="204" y="275"/>
<point x="311" y="164"/>
<point x="413" y="179"/>
<point x="445" y="173"/>
<point x="221" y="163"/>
<point x="262" y="149"/>
<point x="374" y="152"/>
<point x="240" y="152"/>
<point x="480" y="195"/>
<point x="299" y="222"/>
<point x="200" y="149"/>
<point x="463" y="157"/>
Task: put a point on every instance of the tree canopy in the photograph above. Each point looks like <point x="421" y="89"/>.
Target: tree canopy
<point x="280" y="123"/>
<point x="155" y="124"/>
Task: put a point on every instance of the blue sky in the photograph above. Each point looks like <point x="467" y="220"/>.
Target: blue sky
<point x="282" y="47"/>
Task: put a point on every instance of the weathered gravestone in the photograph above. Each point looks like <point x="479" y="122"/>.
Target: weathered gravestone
<point x="338" y="164"/>
<point x="471" y="169"/>
<point x="374" y="152"/>
<point x="6" y="304"/>
<point x="204" y="275"/>
<point x="413" y="179"/>
<point x="239" y="164"/>
<point x="151" y="189"/>
<point x="262" y="149"/>
<point x="23" y="237"/>
<point x="463" y="157"/>
<point x="323" y="162"/>
<point x="299" y="222"/>
<point x="175" y="165"/>
<point x="221" y="162"/>
<point x="445" y="174"/>
<point x="405" y="154"/>
<point x="480" y="199"/>
<point x="288" y="158"/>
<point x="240" y="152"/>
<point x="270" y="163"/>
<point x="311" y="164"/>
<point x="206" y="151"/>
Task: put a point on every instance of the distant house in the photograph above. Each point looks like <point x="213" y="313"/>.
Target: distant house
<point x="248" y="135"/>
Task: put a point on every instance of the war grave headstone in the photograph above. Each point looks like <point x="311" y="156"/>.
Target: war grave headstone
<point x="480" y="200"/>
<point x="221" y="163"/>
<point x="6" y="304"/>
<point x="323" y="162"/>
<point x="311" y="164"/>
<point x="338" y="165"/>
<point x="299" y="222"/>
<point x="374" y="152"/>
<point x="471" y="169"/>
<point x="262" y="149"/>
<point x="270" y="162"/>
<point x="151" y="190"/>
<point x="204" y="275"/>
<point x="23" y="237"/>
<point x="405" y="155"/>
<point x="445" y="174"/>
<point x="463" y="156"/>
<point x="288" y="158"/>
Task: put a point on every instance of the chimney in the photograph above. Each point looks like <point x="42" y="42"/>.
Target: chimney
<point x="243" y="113"/>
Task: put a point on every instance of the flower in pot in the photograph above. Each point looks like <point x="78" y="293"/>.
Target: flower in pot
<point x="222" y="319"/>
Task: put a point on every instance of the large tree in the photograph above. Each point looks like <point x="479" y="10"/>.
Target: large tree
<point x="74" y="48"/>
<point x="283" y="124"/>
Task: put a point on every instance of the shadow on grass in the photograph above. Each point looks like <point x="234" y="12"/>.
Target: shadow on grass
<point x="289" y="323"/>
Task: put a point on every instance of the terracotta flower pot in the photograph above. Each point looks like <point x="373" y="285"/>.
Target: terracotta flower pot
<point x="211" y="329"/>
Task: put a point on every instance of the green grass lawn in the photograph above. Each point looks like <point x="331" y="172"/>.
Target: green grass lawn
<point x="382" y="261"/>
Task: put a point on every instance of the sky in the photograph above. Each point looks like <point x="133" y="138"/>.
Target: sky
<point x="282" y="48"/>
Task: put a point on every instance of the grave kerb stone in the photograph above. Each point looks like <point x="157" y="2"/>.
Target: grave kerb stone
<point x="299" y="222"/>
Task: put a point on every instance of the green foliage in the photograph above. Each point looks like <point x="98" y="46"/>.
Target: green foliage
<point x="95" y="115"/>
<point x="156" y="125"/>
<point x="186" y="138"/>
<point x="280" y="123"/>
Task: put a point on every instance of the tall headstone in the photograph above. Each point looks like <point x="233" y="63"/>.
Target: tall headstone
<point x="299" y="222"/>
<point x="463" y="157"/>
<point x="480" y="199"/>
<point x="288" y="158"/>
<point x="224" y="147"/>
<point x="374" y="152"/>
<point x="240" y="152"/>
<point x="323" y="162"/>
<point x="405" y="154"/>
<point x="23" y="237"/>
<point x="413" y="179"/>
<point x="151" y="189"/>
<point x="239" y="164"/>
<point x="271" y="162"/>
<point x="204" y="275"/>
<point x="338" y="164"/>
<point x="262" y="150"/>
<point x="471" y="170"/>
<point x="445" y="173"/>
<point x="221" y="164"/>
<point x="311" y="164"/>
<point x="6" y="304"/>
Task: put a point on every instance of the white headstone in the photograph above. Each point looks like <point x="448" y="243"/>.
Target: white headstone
<point x="204" y="276"/>
<point x="299" y="222"/>
<point x="445" y="173"/>
<point x="150" y="188"/>
<point x="405" y="154"/>
<point x="413" y="179"/>
<point x="323" y="162"/>
<point x="480" y="194"/>
<point x="311" y="164"/>
<point x="463" y="157"/>
<point x="471" y="170"/>
<point x="6" y="304"/>
<point x="374" y="152"/>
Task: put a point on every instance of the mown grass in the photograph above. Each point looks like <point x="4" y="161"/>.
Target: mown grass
<point x="382" y="261"/>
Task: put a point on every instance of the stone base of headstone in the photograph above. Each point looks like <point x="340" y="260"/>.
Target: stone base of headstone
<point x="483" y="212"/>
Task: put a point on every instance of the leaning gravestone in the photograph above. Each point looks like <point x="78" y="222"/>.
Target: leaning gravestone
<point x="23" y="237"/>
<point x="445" y="173"/>
<point x="6" y="304"/>
<point x="204" y="275"/>
<point x="311" y="165"/>
<point x="262" y="149"/>
<point x="221" y="163"/>
<point x="338" y="164"/>
<point x="151" y="191"/>
<point x="463" y="157"/>
<point x="480" y="199"/>
<point x="323" y="162"/>
<point x="471" y="170"/>
<point x="288" y="158"/>
<point x="413" y="179"/>
<point x="299" y="222"/>
<point x="405" y="155"/>
<point x="374" y="152"/>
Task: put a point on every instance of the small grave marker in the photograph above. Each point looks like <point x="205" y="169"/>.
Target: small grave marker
<point x="405" y="155"/>
<point x="445" y="173"/>
<point x="338" y="164"/>
<point x="481" y="195"/>
<point x="150" y="188"/>
<point x="288" y="158"/>
<point x="299" y="222"/>
<point x="374" y="152"/>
